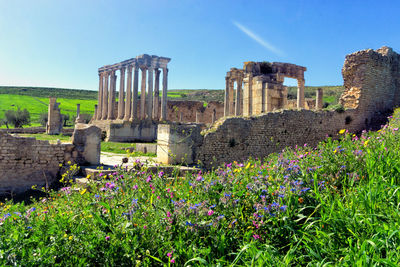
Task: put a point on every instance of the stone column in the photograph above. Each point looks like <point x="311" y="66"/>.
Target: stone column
<point x="121" y="101"/>
<point x="150" y="94"/>
<point x="96" y="110"/>
<point x="300" y="93"/>
<point x="250" y="93"/>
<point x="78" y="110"/>
<point x="268" y="99"/>
<point x="111" y="97"/>
<point x="135" y="94"/>
<point x="226" y="100"/>
<point x="213" y="116"/>
<point x="156" y="99"/>
<point x="197" y="117"/>
<point x="164" y="95"/>
<point x="319" y="99"/>
<point x="143" y="94"/>
<point x="128" y="104"/>
<point x="104" y="111"/>
<point x="238" y="97"/>
<point x="100" y="102"/>
<point x="231" y="97"/>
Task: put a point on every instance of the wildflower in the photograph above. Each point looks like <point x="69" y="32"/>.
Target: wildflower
<point x="210" y="212"/>
<point x="107" y="238"/>
<point x="160" y="174"/>
<point x="70" y="237"/>
<point x="301" y="200"/>
<point x="342" y="131"/>
<point x="83" y="191"/>
<point x="256" y="237"/>
<point x="168" y="214"/>
<point x="172" y="260"/>
<point x="145" y="227"/>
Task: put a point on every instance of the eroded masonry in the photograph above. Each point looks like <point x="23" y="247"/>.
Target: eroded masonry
<point x="372" y="88"/>
<point x="263" y="89"/>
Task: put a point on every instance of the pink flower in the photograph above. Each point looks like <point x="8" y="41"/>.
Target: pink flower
<point x="168" y="214"/>
<point x="145" y="227"/>
<point x="172" y="260"/>
<point x="256" y="236"/>
<point x="169" y="254"/>
<point x="107" y="238"/>
<point x="210" y="212"/>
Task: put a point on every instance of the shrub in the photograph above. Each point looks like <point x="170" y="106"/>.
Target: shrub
<point x="17" y="118"/>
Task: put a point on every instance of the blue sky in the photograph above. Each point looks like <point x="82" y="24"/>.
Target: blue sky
<point x="63" y="43"/>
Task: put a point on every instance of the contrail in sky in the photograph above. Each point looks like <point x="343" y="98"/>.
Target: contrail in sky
<point x="258" y="39"/>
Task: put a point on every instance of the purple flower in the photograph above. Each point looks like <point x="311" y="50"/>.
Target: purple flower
<point x="107" y="238"/>
<point x="160" y="174"/>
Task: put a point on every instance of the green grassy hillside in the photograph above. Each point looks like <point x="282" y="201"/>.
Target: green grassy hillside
<point x="35" y="99"/>
<point x="38" y="105"/>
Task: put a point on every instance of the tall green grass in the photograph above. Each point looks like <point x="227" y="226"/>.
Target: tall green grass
<point x="336" y="204"/>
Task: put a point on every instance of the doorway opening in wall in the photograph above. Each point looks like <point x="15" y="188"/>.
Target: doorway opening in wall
<point x="291" y="85"/>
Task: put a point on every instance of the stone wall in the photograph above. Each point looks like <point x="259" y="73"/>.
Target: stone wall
<point x="25" y="161"/>
<point x="188" y="109"/>
<point x="371" y="81"/>
<point x="235" y="139"/>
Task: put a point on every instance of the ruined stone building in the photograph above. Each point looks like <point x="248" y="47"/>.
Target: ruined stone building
<point x="263" y="90"/>
<point x="372" y="89"/>
<point x="149" y="67"/>
<point x="135" y="117"/>
<point x="54" y="121"/>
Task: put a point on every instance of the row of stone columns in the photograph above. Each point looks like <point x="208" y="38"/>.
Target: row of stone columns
<point x="232" y="104"/>
<point x="128" y="110"/>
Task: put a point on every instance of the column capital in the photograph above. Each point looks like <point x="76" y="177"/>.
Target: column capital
<point x="130" y="68"/>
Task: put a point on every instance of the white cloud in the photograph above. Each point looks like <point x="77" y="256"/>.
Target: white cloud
<point x="258" y="39"/>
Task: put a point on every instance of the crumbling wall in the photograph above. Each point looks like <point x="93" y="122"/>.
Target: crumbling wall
<point x="236" y="139"/>
<point x="371" y="81"/>
<point x="25" y="161"/>
<point x="188" y="110"/>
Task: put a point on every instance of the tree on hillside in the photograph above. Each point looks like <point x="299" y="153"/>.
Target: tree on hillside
<point x="17" y="118"/>
<point x="43" y="118"/>
<point x="4" y="121"/>
<point x="65" y="118"/>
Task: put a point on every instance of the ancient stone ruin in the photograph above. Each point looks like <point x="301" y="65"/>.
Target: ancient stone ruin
<point x="263" y="89"/>
<point x="134" y="117"/>
<point x="25" y="161"/>
<point x="107" y="109"/>
<point x="54" y="122"/>
<point x="372" y="88"/>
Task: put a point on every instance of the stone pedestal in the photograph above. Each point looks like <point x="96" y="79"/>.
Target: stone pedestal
<point x="54" y="122"/>
<point x="319" y="99"/>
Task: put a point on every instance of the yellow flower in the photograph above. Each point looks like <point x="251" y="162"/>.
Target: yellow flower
<point x="70" y="237"/>
<point x="65" y="235"/>
<point x="83" y="191"/>
<point x="334" y="151"/>
<point x="248" y="165"/>
<point x="88" y="176"/>
<point x="342" y="131"/>
<point x="366" y="143"/>
<point x="69" y="162"/>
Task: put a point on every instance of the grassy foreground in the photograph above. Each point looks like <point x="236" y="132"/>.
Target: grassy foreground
<point x="337" y="204"/>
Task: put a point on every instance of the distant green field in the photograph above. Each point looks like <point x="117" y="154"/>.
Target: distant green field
<point x="38" y="105"/>
<point x="36" y="99"/>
